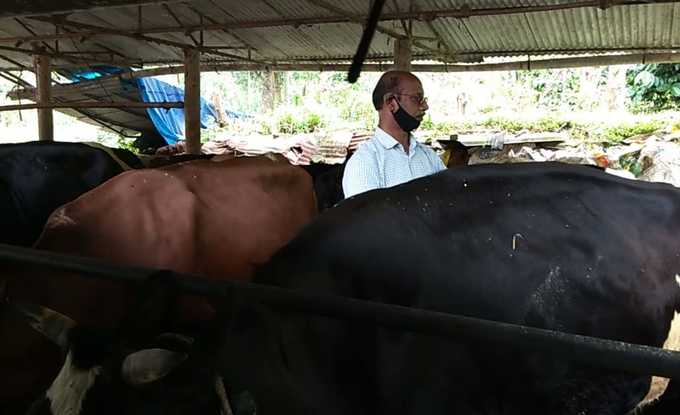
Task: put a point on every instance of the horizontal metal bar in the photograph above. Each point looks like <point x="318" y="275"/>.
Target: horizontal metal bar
<point x="93" y="104"/>
<point x="573" y="62"/>
<point x="593" y="351"/>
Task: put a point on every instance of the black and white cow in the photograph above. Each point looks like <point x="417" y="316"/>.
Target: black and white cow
<point x="554" y="246"/>
<point x="135" y="369"/>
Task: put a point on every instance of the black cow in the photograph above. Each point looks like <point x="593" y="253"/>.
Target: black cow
<point x="554" y="246"/>
<point x="38" y="177"/>
<point x="327" y="183"/>
<point x="136" y="369"/>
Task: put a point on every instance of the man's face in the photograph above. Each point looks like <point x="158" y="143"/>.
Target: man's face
<point x="412" y="98"/>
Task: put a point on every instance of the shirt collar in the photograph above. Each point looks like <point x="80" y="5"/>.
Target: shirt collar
<point x="388" y="141"/>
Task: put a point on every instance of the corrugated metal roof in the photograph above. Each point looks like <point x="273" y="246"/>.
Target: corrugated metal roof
<point x="288" y="31"/>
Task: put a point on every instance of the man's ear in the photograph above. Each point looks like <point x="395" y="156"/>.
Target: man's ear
<point x="389" y="101"/>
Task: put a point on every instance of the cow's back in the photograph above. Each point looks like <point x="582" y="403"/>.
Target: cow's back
<point x="216" y="219"/>
<point x="561" y="247"/>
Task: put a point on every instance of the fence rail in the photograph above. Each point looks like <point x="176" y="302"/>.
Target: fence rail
<point x="593" y="351"/>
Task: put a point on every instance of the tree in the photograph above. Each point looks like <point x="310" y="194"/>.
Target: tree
<point x="654" y="87"/>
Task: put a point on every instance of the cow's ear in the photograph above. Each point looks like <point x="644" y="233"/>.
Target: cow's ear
<point x="175" y="341"/>
<point x="52" y="324"/>
<point x="150" y="365"/>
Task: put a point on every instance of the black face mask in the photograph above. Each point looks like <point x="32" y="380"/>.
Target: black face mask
<point x="406" y="121"/>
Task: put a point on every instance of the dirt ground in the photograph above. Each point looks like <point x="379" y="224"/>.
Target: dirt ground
<point x="672" y="343"/>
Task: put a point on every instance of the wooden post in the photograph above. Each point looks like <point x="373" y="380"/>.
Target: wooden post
<point x="43" y="95"/>
<point x="192" y="101"/>
<point x="402" y="54"/>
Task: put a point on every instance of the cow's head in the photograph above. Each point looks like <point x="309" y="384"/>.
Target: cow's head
<point x="105" y="375"/>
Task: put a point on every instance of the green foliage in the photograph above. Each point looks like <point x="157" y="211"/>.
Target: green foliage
<point x="580" y="131"/>
<point x="545" y="124"/>
<point x="654" y="87"/>
<point x="591" y="132"/>
<point x="209" y="134"/>
<point x="360" y="112"/>
<point x="553" y="89"/>
<point x="125" y="143"/>
<point x="427" y="123"/>
<point x="630" y="162"/>
<point x="503" y="124"/>
<point x="621" y="132"/>
<point x="286" y="124"/>
<point x="447" y="128"/>
<point x="289" y="123"/>
<point x="487" y="109"/>
<point x="265" y="128"/>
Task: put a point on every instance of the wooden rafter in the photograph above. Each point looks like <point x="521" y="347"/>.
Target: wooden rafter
<point x="144" y="38"/>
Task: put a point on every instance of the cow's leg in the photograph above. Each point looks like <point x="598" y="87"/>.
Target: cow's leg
<point x="222" y="395"/>
<point x="667" y="403"/>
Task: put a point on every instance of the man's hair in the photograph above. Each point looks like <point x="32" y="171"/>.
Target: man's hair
<point x="388" y="83"/>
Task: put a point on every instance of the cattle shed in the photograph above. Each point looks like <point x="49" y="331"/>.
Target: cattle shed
<point x="151" y="37"/>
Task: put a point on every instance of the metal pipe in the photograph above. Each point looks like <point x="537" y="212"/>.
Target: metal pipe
<point x="593" y="351"/>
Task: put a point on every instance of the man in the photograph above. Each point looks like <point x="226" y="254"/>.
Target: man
<point x="392" y="156"/>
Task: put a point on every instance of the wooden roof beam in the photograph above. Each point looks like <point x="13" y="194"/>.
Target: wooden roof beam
<point x="116" y="32"/>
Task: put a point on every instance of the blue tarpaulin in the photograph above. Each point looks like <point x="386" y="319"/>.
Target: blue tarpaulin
<point x="92" y="72"/>
<point x="170" y="121"/>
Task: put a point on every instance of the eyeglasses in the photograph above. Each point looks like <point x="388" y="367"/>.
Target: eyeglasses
<point x="416" y="99"/>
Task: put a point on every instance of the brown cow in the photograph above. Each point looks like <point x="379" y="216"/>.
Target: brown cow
<point x="455" y="153"/>
<point x="214" y="218"/>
